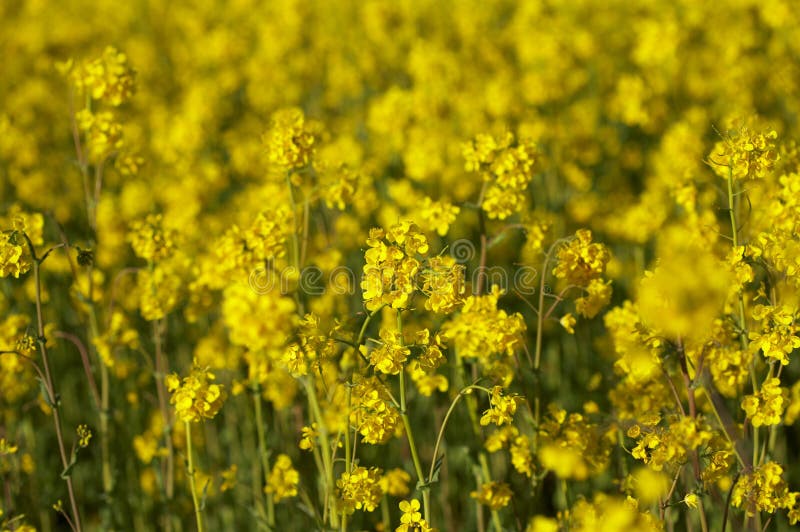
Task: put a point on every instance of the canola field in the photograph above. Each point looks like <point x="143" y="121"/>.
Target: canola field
<point x="411" y="265"/>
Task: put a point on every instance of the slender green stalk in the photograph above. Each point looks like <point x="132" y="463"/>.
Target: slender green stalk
<point x="198" y="514"/>
<point x="262" y="453"/>
<point x="49" y="384"/>
<point x="326" y="452"/>
<point x="487" y="477"/>
<point x="440" y="436"/>
<point x="426" y="495"/>
<point x="742" y="317"/>
<point x="385" y="517"/>
<point x="540" y="312"/>
<point x="348" y="453"/>
<point x="101" y="397"/>
<point x="735" y="239"/>
<point x="168" y="466"/>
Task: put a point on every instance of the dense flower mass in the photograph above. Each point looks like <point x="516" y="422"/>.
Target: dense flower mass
<point x="360" y="489"/>
<point x="195" y="397"/>
<point x="407" y="265"/>
<point x="283" y="479"/>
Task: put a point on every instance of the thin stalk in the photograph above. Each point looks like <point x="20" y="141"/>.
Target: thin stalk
<point x="326" y="453"/>
<point x="693" y="414"/>
<point x="540" y="312"/>
<point x="487" y="477"/>
<point x="262" y="452"/>
<point x="49" y="385"/>
<point x="440" y="436"/>
<point x="735" y="239"/>
<point x="160" y="373"/>
<point x="198" y="514"/>
<point x="426" y="495"/>
<point x="296" y="252"/>
<point x="102" y="399"/>
<point x="385" y="517"/>
<point x="348" y="453"/>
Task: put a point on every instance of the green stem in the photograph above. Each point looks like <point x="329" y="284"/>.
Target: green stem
<point x="198" y="514"/>
<point x="385" y="517"/>
<point x="735" y="239"/>
<point x="326" y="452"/>
<point x="49" y="384"/>
<point x="742" y="317"/>
<point x="161" y="391"/>
<point x="348" y="452"/>
<point x="409" y="431"/>
<point x="440" y="436"/>
<point x="487" y="477"/>
<point x="540" y="312"/>
<point x="262" y="452"/>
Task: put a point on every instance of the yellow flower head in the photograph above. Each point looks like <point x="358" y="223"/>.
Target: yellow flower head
<point x="195" y="397"/>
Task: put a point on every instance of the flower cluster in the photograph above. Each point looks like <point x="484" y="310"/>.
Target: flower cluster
<point x="109" y="77"/>
<point x="502" y="408"/>
<point x="767" y="405"/>
<point x="195" y="396"/>
<point x="14" y="257"/>
<point x="443" y="283"/>
<point x="373" y="413"/>
<point x="745" y="152"/>
<point x="290" y="142"/>
<point x="669" y="447"/>
<point x="506" y="167"/>
<point x="390" y="355"/>
<point x="487" y="333"/>
<point x="283" y="479"/>
<point x="778" y="335"/>
<point x="411" y="520"/>
<point x="495" y="495"/>
<point x="151" y="240"/>
<point x="360" y="489"/>
<point x="571" y="446"/>
<point x="763" y="490"/>
<point x="102" y="132"/>
<point x="392" y="265"/>
<point x="582" y="261"/>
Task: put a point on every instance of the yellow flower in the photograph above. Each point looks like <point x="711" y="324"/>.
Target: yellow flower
<point x="482" y="330"/>
<point x="411" y="520"/>
<point x="568" y="321"/>
<point x="691" y="500"/>
<point x="309" y="434"/>
<point x="443" y="283"/>
<point x="283" y="479"/>
<point x="13" y="256"/>
<point x="762" y="490"/>
<point x="395" y="482"/>
<point x="390" y="356"/>
<point x="766" y="406"/>
<point x="542" y="524"/>
<point x="495" y="495"/>
<point x="195" y="397"/>
<point x="580" y="261"/>
<point x="502" y="408"/>
<point x="229" y="478"/>
<point x="360" y="489"/>
<point x="84" y="435"/>
<point x="438" y="214"/>
<point x="744" y="152"/>
<point x="151" y="239"/>
<point x="108" y="77"/>
<point x="506" y="168"/>
<point x="391" y="265"/>
<point x="291" y="141"/>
